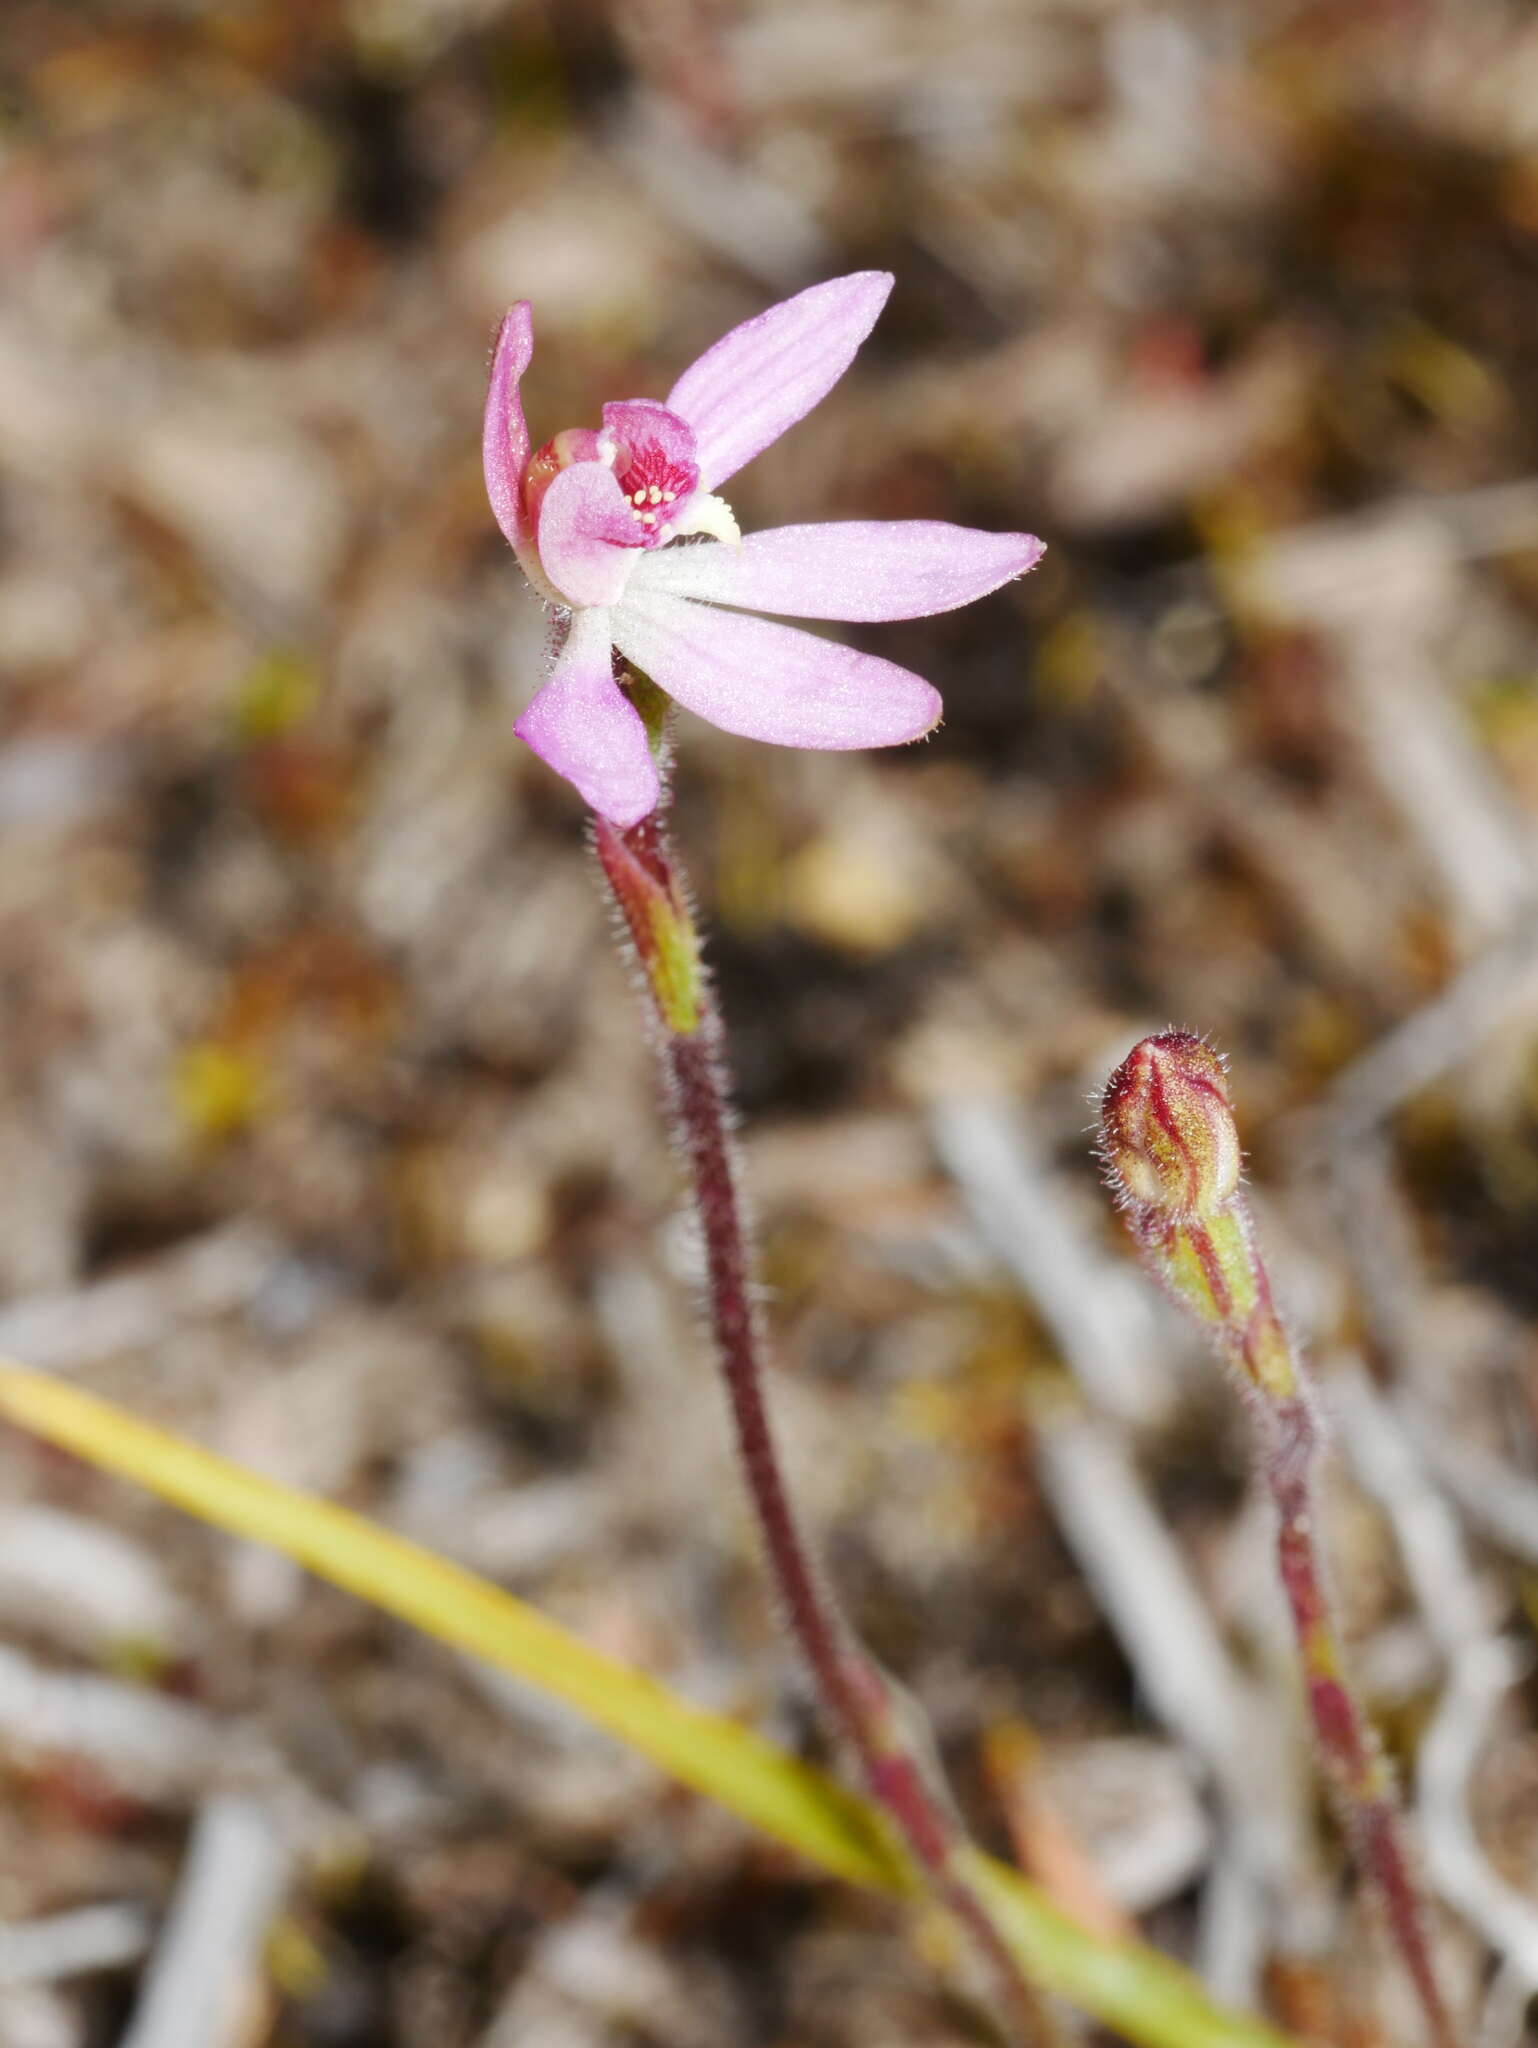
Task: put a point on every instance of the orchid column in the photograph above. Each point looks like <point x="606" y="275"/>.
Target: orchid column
<point x="593" y="516"/>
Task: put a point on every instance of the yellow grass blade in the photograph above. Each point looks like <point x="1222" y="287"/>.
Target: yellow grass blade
<point x="1134" y="1989"/>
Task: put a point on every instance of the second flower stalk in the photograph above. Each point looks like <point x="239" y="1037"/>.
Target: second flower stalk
<point x="1172" y="1153"/>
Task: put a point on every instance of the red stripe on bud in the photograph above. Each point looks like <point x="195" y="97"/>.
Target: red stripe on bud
<point x="1167" y="1127"/>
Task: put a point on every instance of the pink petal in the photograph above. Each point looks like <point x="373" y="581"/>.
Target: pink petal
<point x="770" y="682"/>
<point x="862" y="569"/>
<point x="505" y="438"/>
<point x="588" y="541"/>
<point x="584" y="726"/>
<point x="769" y="372"/>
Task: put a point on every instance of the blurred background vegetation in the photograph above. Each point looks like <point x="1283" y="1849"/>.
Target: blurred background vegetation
<point x="327" y="1132"/>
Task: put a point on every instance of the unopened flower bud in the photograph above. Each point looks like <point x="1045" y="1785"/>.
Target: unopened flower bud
<point x="1167" y="1127"/>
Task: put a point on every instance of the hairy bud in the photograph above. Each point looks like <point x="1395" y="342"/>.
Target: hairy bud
<point x="1167" y="1127"/>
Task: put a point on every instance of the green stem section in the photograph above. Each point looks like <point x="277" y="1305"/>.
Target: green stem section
<point x="860" y="1705"/>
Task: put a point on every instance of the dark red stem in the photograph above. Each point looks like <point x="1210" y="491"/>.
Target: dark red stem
<point x="699" y="1109"/>
<point x="1364" y="1786"/>
<point x="1291" y="1449"/>
<point x="855" y="1697"/>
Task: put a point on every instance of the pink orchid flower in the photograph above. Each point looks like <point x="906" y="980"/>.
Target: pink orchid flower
<point x="591" y="517"/>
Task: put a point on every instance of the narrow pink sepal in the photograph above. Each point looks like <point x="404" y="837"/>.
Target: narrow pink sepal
<point x="770" y="682"/>
<point x="583" y="726"/>
<point x="588" y="542"/>
<point x="505" y="436"/>
<point x="862" y="569"/>
<point x="768" y="373"/>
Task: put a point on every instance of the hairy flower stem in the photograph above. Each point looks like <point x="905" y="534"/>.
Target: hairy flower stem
<point x="863" y="1709"/>
<point x="1172" y="1149"/>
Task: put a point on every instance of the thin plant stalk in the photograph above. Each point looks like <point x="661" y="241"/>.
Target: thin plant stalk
<point x="1172" y="1151"/>
<point x="865" y="1712"/>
